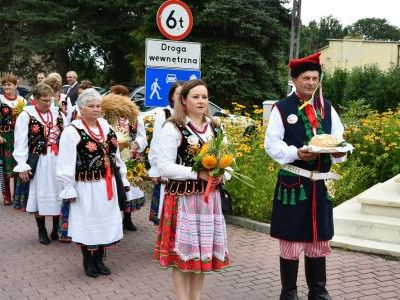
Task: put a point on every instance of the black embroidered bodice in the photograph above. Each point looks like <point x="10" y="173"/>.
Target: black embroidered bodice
<point x="185" y="155"/>
<point x="38" y="134"/>
<point x="7" y="121"/>
<point x="91" y="159"/>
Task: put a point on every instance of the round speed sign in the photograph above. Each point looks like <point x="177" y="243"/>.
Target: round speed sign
<point x="174" y="20"/>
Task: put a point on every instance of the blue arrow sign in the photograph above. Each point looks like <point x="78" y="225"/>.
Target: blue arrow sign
<point x="159" y="81"/>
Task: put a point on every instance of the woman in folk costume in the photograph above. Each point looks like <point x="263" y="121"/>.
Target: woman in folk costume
<point x="88" y="157"/>
<point x="73" y="114"/>
<point x="192" y="233"/>
<point x="302" y="212"/>
<point x="8" y="103"/>
<point x="124" y="116"/>
<point x="158" y="182"/>
<point x="37" y="133"/>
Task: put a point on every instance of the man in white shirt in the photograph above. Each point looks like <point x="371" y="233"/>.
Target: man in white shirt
<point x="302" y="217"/>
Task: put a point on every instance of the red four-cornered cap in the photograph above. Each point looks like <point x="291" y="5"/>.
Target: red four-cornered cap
<point x="296" y="62"/>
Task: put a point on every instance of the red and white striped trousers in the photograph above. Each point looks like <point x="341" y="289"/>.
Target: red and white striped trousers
<point x="292" y="250"/>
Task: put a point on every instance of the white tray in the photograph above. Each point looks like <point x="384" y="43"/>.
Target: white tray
<point x="316" y="149"/>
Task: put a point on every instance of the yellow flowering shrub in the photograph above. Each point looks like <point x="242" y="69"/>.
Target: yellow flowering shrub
<point x="253" y="162"/>
<point x="376" y="158"/>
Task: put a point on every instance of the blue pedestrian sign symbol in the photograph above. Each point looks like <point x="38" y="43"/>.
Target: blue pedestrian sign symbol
<point x="159" y="81"/>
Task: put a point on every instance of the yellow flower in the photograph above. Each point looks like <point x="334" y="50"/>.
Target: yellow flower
<point x="204" y="149"/>
<point x="19" y="107"/>
<point x="226" y="161"/>
<point x="129" y="175"/>
<point x="209" y="161"/>
<point x="239" y="154"/>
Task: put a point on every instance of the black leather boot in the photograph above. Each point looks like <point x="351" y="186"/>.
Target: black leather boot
<point x="101" y="267"/>
<point x="289" y="269"/>
<point x="127" y="222"/>
<point x="89" y="263"/>
<point x="316" y="278"/>
<point x="41" y="224"/>
<point x="54" y="232"/>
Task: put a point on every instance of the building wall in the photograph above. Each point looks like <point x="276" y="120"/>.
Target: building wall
<point x="347" y="54"/>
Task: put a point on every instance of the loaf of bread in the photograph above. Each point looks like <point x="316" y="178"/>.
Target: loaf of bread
<point x="325" y="141"/>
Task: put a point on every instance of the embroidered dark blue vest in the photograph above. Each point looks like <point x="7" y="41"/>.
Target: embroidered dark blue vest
<point x="299" y="213"/>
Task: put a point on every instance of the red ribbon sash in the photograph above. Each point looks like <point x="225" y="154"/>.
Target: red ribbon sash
<point x="109" y="182"/>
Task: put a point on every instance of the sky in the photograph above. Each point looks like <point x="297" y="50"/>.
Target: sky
<point x="350" y="11"/>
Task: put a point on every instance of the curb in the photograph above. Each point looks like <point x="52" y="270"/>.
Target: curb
<point x="248" y="224"/>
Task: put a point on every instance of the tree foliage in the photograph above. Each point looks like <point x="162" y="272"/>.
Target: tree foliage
<point x="379" y="89"/>
<point x="374" y="29"/>
<point x="315" y="35"/>
<point x="59" y="35"/>
<point x="34" y="35"/>
<point x="243" y="46"/>
<point x="244" y="43"/>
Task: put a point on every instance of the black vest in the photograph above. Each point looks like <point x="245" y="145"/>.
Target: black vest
<point x="90" y="163"/>
<point x="292" y="215"/>
<point x="185" y="155"/>
<point x="7" y="120"/>
<point x="37" y="137"/>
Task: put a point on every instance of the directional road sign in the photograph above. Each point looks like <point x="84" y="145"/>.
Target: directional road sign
<point x="174" y="20"/>
<point x="172" y="54"/>
<point x="159" y="81"/>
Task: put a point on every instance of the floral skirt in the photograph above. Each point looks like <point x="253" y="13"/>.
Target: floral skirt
<point x="155" y="204"/>
<point x="6" y="150"/>
<point x="21" y="194"/>
<point x="192" y="234"/>
<point x="64" y="217"/>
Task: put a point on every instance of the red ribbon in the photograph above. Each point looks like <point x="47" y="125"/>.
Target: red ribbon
<point x="99" y="138"/>
<point x="312" y="118"/>
<point x="210" y="181"/>
<point x="54" y="149"/>
<point x="109" y="182"/>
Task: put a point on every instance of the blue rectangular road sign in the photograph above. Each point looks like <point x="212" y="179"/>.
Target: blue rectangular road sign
<point x="159" y="81"/>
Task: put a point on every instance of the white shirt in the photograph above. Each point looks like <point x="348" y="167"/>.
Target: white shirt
<point x="167" y="151"/>
<point x="70" y="138"/>
<point x="12" y="103"/>
<point x="159" y="120"/>
<point x="141" y="138"/>
<point x="279" y="151"/>
<point x="21" y="135"/>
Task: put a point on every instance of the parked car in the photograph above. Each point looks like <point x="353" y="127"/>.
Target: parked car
<point x="138" y="95"/>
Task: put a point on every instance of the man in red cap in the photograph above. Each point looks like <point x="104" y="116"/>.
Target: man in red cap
<point x="302" y="211"/>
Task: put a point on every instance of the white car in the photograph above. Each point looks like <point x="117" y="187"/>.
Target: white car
<point x="137" y="96"/>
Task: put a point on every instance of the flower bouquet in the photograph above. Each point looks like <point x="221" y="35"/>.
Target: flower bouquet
<point x="136" y="171"/>
<point x="215" y="158"/>
<point x="19" y="107"/>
